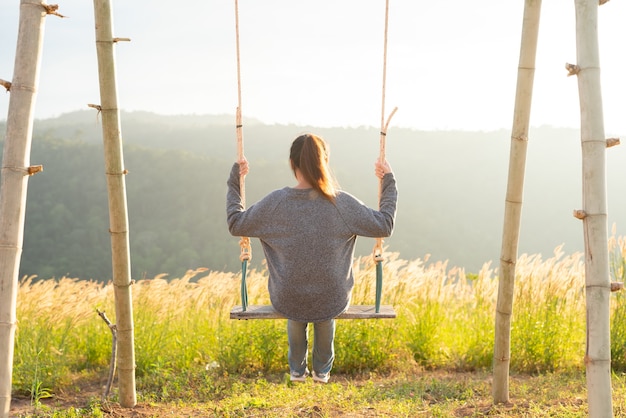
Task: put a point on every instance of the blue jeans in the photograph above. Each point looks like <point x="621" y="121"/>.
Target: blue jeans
<point x="323" y="346"/>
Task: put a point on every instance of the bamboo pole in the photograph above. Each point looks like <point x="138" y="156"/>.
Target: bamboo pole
<point x="118" y="211"/>
<point x="14" y="180"/>
<point x="513" y="202"/>
<point x="594" y="212"/>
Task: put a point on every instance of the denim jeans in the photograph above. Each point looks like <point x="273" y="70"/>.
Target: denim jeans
<point x="323" y="346"/>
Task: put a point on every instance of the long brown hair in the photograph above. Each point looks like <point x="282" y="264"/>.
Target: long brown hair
<point x="309" y="153"/>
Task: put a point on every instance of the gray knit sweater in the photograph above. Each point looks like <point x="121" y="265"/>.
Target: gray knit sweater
<point x="309" y="243"/>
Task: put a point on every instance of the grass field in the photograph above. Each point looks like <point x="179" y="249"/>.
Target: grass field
<point x="434" y="360"/>
<point x="417" y="393"/>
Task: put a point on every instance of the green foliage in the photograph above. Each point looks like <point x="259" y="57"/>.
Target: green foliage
<point x="424" y="333"/>
<point x="186" y="347"/>
<point x="39" y="363"/>
<point x="618" y="304"/>
<point x="37" y="390"/>
<point x="175" y="218"/>
<point x="457" y="336"/>
<point x="473" y="331"/>
<point x="548" y="330"/>
<point x="176" y="186"/>
<point x="363" y="346"/>
<point x="444" y="322"/>
<point x="188" y="351"/>
<point x="618" y="332"/>
<point x="247" y="347"/>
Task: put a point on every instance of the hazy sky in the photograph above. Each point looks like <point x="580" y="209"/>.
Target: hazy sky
<point x="452" y="64"/>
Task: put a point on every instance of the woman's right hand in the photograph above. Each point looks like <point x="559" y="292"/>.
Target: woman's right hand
<point x="382" y="168"/>
<point x="244" y="167"/>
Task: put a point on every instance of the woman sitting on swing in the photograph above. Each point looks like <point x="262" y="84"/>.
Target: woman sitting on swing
<point x="308" y="233"/>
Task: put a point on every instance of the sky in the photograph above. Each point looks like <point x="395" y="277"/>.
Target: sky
<point x="451" y="64"/>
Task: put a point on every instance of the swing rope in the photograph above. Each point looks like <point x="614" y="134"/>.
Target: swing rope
<point x="378" y="247"/>
<point x="244" y="242"/>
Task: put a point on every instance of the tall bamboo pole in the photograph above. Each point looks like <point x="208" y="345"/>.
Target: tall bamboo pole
<point x="513" y="202"/>
<point x="118" y="211"/>
<point x="594" y="212"/>
<point x="15" y="174"/>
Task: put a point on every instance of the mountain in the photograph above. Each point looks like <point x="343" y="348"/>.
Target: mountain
<point x="452" y="187"/>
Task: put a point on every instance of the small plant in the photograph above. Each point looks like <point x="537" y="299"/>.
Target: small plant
<point x="37" y="390"/>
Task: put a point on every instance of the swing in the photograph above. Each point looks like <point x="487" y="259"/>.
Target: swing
<point x="245" y="311"/>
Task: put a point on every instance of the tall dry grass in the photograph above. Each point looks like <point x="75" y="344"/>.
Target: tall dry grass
<point x="56" y="333"/>
<point x="445" y="320"/>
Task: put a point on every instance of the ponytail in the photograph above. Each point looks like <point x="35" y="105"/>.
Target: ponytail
<point x="309" y="154"/>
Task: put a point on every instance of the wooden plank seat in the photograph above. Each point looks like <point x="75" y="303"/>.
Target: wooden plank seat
<point x="353" y="312"/>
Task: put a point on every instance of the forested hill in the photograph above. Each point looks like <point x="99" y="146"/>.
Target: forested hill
<point x="452" y="189"/>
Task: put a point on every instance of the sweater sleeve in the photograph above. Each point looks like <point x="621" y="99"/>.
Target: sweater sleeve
<point x="367" y="222"/>
<point x="250" y="222"/>
<point x="234" y="204"/>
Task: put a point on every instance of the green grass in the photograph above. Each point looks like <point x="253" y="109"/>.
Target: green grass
<point x="414" y="393"/>
<point x="434" y="359"/>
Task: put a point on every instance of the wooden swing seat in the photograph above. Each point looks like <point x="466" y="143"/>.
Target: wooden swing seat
<point x="353" y="312"/>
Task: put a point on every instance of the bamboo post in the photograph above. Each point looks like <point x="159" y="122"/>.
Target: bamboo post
<point x="513" y="203"/>
<point x="14" y="180"/>
<point x="594" y="212"/>
<point x="118" y="211"/>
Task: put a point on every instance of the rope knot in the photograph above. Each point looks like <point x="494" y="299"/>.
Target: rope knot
<point x="377" y="253"/>
<point x="246" y="249"/>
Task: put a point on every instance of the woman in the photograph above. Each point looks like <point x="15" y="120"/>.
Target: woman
<point x="308" y="233"/>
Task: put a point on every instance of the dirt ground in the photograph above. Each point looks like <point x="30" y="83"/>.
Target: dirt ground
<point x="85" y="392"/>
<point x="22" y="407"/>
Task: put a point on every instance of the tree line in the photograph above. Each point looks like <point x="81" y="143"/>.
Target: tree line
<point x="451" y="191"/>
